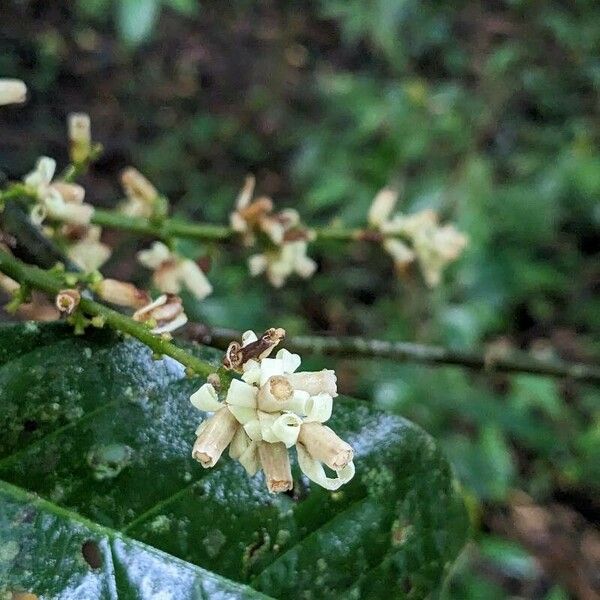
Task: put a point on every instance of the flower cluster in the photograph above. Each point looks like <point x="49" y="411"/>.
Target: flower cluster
<point x="272" y="408"/>
<point x="286" y="238"/>
<point x="172" y="273"/>
<point x="431" y="244"/>
<point x="58" y="200"/>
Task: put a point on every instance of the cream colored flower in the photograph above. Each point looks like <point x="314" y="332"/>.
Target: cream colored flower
<point x="59" y="200"/>
<point x="172" y="273"/>
<point x="12" y="91"/>
<point x="88" y="252"/>
<point x="276" y="407"/>
<point x="287" y="240"/>
<point x="141" y="194"/>
<point x="279" y="264"/>
<point x="434" y="246"/>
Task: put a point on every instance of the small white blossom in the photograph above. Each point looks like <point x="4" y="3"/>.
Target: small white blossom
<point x="277" y="407"/>
<point x="172" y="272"/>
<point x="141" y="194"/>
<point x="12" y="91"/>
<point x="59" y="200"/>
<point x="279" y="264"/>
<point x="434" y="246"/>
<point x="287" y="240"/>
<point x="88" y="252"/>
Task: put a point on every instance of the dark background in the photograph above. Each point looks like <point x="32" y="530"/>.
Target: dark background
<point x="485" y="111"/>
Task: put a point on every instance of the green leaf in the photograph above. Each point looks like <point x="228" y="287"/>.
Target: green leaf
<point x="84" y="560"/>
<point x="103" y="433"/>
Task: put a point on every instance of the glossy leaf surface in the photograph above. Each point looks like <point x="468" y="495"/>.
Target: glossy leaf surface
<point x="103" y="434"/>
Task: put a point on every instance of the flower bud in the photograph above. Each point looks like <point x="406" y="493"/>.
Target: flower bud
<point x="246" y="193"/>
<point x="136" y="185"/>
<point x="67" y="301"/>
<point x="122" y="293"/>
<point x="80" y="136"/>
<point x="12" y="91"/>
<point x="382" y="206"/>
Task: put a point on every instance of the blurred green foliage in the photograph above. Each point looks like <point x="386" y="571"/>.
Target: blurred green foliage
<point x="487" y="112"/>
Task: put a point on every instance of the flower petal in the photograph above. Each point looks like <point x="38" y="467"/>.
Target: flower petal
<point x="266" y="421"/>
<point x="253" y="429"/>
<point x="319" y="408"/>
<point x="206" y="398"/>
<point x="314" y="470"/>
<point x="239" y="443"/>
<point x="290" y="361"/>
<point x="194" y="279"/>
<point x="270" y="367"/>
<point x="251" y="371"/>
<point x="286" y="428"/>
<point x="243" y="414"/>
<point x="249" y="459"/>
<point x="248" y="337"/>
<point x="241" y="394"/>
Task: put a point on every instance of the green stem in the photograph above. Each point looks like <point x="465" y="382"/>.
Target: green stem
<point x="50" y="284"/>
<point x="170" y="227"/>
<point x="165" y="230"/>
<point x="358" y="347"/>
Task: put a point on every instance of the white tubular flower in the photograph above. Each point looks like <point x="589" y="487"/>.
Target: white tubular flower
<point x="172" y="272"/>
<point x="60" y="200"/>
<point x="257" y="264"/>
<point x="324" y="445"/>
<point x="283" y="262"/>
<point x="275" y="462"/>
<point x="214" y="437"/>
<point x="291" y="362"/>
<point x="314" y="470"/>
<point x="276" y="407"/>
<point x="89" y="252"/>
<point x="319" y="408"/>
<point x="12" y="91"/>
<point x="141" y="194"/>
<point x="164" y="315"/>
<point x="434" y="246"/>
<point x="315" y="382"/>
<point x="436" y="249"/>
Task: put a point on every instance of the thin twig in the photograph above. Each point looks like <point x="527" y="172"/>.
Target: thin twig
<point x="358" y="347"/>
<point x="49" y="283"/>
